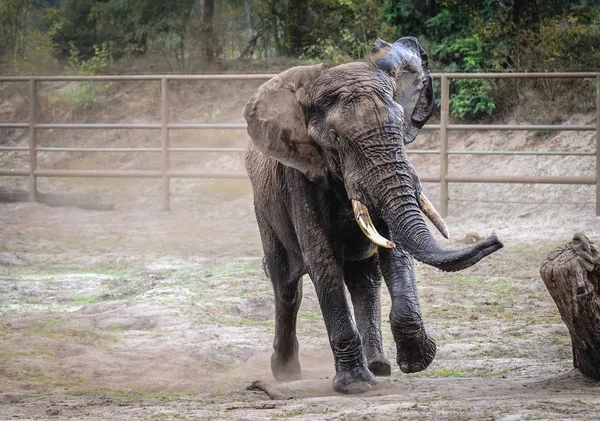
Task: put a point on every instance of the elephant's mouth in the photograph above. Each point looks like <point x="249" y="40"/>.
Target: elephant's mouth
<point x="361" y="214"/>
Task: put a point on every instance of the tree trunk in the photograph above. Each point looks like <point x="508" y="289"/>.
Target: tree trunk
<point x="296" y="19"/>
<point x="207" y="20"/>
<point x="275" y="33"/>
<point x="572" y="275"/>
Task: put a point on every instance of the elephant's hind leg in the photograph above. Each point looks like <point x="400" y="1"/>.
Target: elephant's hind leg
<point x="363" y="279"/>
<point x="285" y="275"/>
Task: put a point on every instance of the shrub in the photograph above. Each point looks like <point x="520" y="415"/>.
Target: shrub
<point x="86" y="95"/>
<point x="470" y="97"/>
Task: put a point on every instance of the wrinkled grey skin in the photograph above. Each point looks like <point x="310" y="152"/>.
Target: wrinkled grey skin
<point x="319" y="138"/>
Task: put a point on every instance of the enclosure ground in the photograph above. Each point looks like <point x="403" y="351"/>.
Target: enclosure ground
<point x="150" y="315"/>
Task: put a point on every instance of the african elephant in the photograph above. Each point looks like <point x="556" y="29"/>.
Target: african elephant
<point x="327" y="151"/>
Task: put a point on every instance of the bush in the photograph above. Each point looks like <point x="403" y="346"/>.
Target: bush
<point x="469" y="97"/>
<point x="86" y="95"/>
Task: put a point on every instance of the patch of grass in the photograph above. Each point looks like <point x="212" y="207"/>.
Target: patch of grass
<point x="6" y="355"/>
<point x="228" y="320"/>
<point x="469" y="281"/>
<point x="543" y="120"/>
<point x="86" y="299"/>
<point x="445" y="372"/>
<point x="288" y="413"/>
<point x="168" y="416"/>
<point x="557" y="338"/>
<point x="310" y="315"/>
<point x="469" y="372"/>
<point x="497" y="351"/>
<point x="514" y="332"/>
<point x="35" y="395"/>
<point x="231" y="269"/>
<point x="199" y="292"/>
<point x="502" y="288"/>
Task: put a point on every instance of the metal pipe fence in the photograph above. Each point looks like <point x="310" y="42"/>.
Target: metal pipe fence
<point x="165" y="173"/>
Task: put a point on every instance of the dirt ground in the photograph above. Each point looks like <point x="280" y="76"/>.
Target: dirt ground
<point x="139" y="314"/>
<point x="151" y="315"/>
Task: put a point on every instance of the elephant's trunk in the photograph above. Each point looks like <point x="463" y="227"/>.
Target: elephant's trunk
<point x="409" y="231"/>
<point x="394" y="191"/>
<point x="399" y="204"/>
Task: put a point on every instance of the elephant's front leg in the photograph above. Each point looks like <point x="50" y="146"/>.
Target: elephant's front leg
<point x="363" y="279"/>
<point x="352" y="374"/>
<point x="415" y="348"/>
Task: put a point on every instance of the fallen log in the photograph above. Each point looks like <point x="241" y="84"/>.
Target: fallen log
<point x="56" y="200"/>
<point x="572" y="275"/>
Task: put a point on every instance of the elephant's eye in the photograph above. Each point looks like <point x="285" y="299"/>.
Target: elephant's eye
<point x="335" y="138"/>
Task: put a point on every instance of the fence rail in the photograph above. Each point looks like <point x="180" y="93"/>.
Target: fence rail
<point x="166" y="173"/>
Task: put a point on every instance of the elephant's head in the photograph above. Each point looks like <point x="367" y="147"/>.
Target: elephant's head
<point x="347" y="126"/>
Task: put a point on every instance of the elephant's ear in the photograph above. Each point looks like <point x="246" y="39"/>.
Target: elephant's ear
<point x="278" y="126"/>
<point x="408" y="64"/>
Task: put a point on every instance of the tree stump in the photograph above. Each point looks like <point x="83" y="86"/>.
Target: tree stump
<point x="572" y="275"/>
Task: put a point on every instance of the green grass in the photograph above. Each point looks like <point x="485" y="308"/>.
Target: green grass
<point x="86" y="299"/>
<point x="230" y="269"/>
<point x="469" y="372"/>
<point x="168" y="416"/>
<point x="310" y="315"/>
<point x="445" y="372"/>
<point x="288" y="413"/>
<point x="557" y="338"/>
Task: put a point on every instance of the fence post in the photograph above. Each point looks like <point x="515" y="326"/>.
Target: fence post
<point x="164" y="120"/>
<point x="598" y="144"/>
<point x="32" y="140"/>
<point x="444" y="147"/>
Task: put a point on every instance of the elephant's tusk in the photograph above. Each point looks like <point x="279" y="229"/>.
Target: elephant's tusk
<point x="430" y="212"/>
<point x="361" y="214"/>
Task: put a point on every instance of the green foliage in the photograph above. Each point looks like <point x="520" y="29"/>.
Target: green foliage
<point x="499" y="35"/>
<point x="97" y="63"/>
<point x="472" y="98"/>
<point x="408" y="17"/>
<point x="459" y="35"/>
<point x="76" y="28"/>
<point x="543" y="134"/>
<point x="339" y="30"/>
<point x="469" y="97"/>
<point x="571" y="41"/>
<point x="13" y="22"/>
<point x="25" y="41"/>
<point x="86" y="95"/>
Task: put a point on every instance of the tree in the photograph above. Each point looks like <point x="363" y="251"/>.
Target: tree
<point x="13" y="25"/>
<point x="207" y="19"/>
<point x="297" y="27"/>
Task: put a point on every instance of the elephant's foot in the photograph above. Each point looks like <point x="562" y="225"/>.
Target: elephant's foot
<point x="356" y="380"/>
<point x="286" y="370"/>
<point x="380" y="366"/>
<point x="416" y="352"/>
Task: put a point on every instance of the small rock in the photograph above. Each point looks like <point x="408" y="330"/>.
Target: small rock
<point x="53" y="412"/>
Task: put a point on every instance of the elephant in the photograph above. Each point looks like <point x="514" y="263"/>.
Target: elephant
<point x="336" y="198"/>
